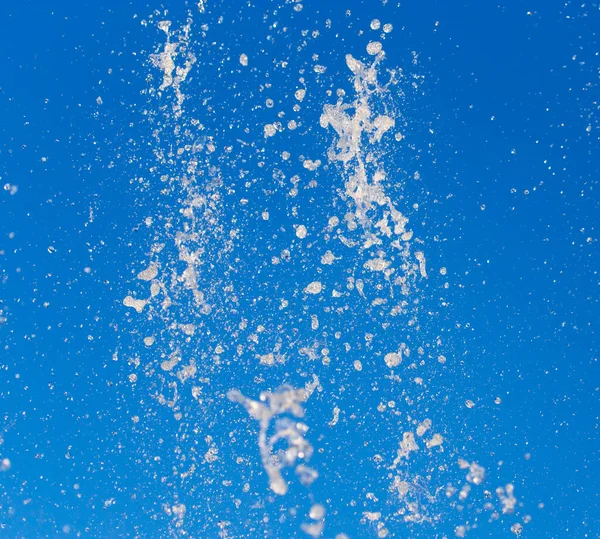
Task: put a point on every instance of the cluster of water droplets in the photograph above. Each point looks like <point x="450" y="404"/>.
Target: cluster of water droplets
<point x="332" y="313"/>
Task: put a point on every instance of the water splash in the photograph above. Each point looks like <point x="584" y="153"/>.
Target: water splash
<point x="266" y="412"/>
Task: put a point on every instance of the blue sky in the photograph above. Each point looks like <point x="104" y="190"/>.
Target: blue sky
<point x="498" y="109"/>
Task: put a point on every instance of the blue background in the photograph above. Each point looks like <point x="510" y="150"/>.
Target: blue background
<point x="512" y="98"/>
